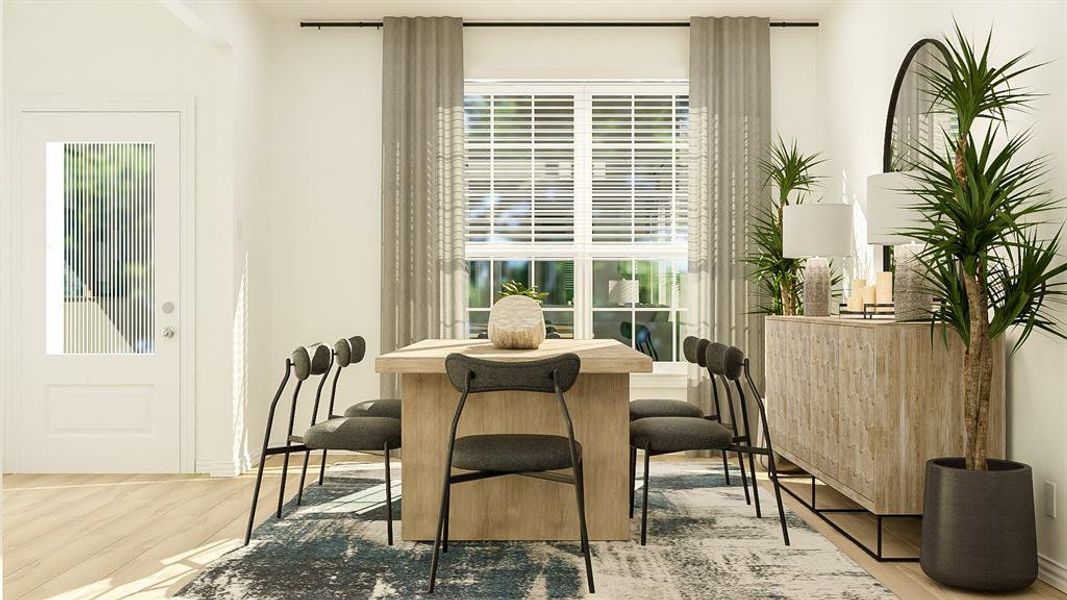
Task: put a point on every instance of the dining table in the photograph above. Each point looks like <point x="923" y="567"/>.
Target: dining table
<point x="515" y="507"/>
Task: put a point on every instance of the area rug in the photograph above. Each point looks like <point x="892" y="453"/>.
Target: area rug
<point x="704" y="542"/>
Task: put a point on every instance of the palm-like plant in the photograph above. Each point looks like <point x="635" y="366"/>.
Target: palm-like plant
<point x="981" y="206"/>
<point x="778" y="277"/>
<point x="515" y="288"/>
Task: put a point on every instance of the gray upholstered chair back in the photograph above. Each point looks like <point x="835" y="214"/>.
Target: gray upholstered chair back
<point x="349" y="351"/>
<point x="726" y="361"/>
<point x="695" y="350"/>
<point x="530" y="376"/>
<point x="314" y="359"/>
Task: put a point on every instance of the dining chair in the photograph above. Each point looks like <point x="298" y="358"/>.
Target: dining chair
<point x="347" y="351"/>
<point x="731" y="365"/>
<point x="663" y="435"/>
<point x="496" y="455"/>
<point x="360" y="434"/>
<point x="694" y="351"/>
<point x="304" y="362"/>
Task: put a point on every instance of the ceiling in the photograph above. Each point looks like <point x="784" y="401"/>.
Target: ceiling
<point x="542" y="10"/>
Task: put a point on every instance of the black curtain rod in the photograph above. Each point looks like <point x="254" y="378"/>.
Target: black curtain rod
<point x="378" y="24"/>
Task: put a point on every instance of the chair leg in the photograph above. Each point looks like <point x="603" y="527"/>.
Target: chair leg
<point x="322" y="468"/>
<point x="744" y="478"/>
<point x="281" y="488"/>
<point x="579" y="491"/>
<point x="448" y="515"/>
<point x="440" y="526"/>
<point x="303" y="478"/>
<point x="773" y="472"/>
<point x="755" y="484"/>
<point x="633" y="477"/>
<point x="726" y="467"/>
<point x="644" y="502"/>
<point x="388" y="499"/>
<point x="255" y="500"/>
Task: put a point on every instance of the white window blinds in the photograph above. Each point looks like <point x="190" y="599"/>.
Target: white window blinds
<point x="576" y="165"/>
<point x="639" y="178"/>
<point x="520" y="168"/>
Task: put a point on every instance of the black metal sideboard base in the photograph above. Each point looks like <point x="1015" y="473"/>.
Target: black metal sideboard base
<point x="822" y="513"/>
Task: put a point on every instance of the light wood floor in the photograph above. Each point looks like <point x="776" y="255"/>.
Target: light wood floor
<point x="144" y="536"/>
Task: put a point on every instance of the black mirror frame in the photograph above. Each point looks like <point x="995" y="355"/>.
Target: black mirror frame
<point x="901" y="72"/>
<point x="887" y="143"/>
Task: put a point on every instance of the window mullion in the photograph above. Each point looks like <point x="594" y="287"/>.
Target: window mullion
<point x="583" y="207"/>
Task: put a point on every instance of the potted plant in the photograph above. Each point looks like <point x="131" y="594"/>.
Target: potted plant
<point x="777" y="277"/>
<point x="981" y="204"/>
<point x="516" y="320"/>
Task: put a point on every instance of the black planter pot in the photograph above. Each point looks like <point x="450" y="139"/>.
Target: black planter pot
<point x="979" y="531"/>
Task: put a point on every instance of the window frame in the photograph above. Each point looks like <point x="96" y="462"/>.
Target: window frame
<point x="583" y="251"/>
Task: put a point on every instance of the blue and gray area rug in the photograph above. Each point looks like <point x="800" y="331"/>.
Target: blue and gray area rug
<point x="704" y="542"/>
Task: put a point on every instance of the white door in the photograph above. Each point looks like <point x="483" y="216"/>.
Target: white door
<point x="98" y="323"/>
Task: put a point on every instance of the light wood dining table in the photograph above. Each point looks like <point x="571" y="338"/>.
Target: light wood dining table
<point x="516" y="508"/>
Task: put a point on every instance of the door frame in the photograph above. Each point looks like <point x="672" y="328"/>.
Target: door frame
<point x="11" y="249"/>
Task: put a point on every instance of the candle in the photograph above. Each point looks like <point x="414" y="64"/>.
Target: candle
<point x="870" y="294"/>
<point x="885" y="288"/>
<point x="855" y="299"/>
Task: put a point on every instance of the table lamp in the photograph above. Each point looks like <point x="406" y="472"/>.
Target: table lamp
<point x="623" y="291"/>
<point x="890" y="210"/>
<point x="817" y="232"/>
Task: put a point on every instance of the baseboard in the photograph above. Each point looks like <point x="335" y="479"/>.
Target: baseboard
<point x="227" y="468"/>
<point x="1052" y="572"/>
<point x="217" y="468"/>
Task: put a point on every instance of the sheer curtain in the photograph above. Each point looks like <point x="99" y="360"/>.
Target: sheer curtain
<point x="729" y="130"/>
<point x="424" y="272"/>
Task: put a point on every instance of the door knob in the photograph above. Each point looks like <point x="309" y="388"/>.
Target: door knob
<point x="168" y="332"/>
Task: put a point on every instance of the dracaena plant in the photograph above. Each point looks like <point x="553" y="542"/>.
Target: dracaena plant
<point x="778" y="278"/>
<point x="982" y="207"/>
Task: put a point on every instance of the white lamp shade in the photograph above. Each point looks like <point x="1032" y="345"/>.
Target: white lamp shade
<point x="890" y="208"/>
<point x="817" y="230"/>
<point x="623" y="291"/>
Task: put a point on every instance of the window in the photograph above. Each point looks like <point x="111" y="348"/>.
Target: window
<point x="581" y="190"/>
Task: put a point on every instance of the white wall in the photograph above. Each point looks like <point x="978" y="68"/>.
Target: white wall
<point x="861" y="46"/>
<point x="230" y="433"/>
<point x="325" y="212"/>
<point x="137" y="49"/>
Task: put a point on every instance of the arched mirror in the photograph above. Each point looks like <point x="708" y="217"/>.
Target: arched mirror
<point x="912" y="122"/>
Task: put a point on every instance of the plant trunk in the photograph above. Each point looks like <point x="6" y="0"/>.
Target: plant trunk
<point x="960" y="163"/>
<point x="789" y="307"/>
<point x="977" y="372"/>
<point x="978" y="361"/>
<point x="785" y="289"/>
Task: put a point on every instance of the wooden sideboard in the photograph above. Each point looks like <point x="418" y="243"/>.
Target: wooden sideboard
<point x="862" y="404"/>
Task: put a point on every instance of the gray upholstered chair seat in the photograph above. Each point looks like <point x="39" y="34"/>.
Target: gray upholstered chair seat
<point x="382" y="407"/>
<point x="675" y="434"/>
<point x="640" y="409"/>
<point x="348" y="433"/>
<point x="513" y="453"/>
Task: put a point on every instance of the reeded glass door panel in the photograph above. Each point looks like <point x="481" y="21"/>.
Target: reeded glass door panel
<point x="100" y="248"/>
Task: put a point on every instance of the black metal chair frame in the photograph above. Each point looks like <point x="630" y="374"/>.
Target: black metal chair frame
<point x="292" y="445"/>
<point x="741" y="444"/>
<point x="290" y="448"/>
<point x="576" y="478"/>
<point x="715" y="416"/>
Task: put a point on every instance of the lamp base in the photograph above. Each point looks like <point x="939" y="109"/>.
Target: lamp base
<point x="817" y="287"/>
<point x="910" y="292"/>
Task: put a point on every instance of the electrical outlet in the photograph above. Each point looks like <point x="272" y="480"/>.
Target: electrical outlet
<point x="1050" y="499"/>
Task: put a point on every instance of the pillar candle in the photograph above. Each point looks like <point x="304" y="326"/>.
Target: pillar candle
<point x="870" y="294"/>
<point x="855" y="298"/>
<point x="885" y="288"/>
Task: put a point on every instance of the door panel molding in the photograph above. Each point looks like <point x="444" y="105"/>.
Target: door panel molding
<point x="11" y="249"/>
